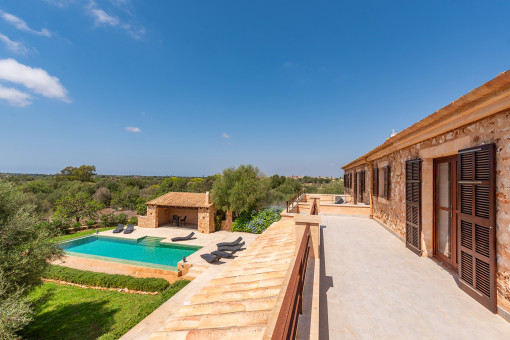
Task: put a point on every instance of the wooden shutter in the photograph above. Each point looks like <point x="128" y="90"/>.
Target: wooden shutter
<point x="387" y="182"/>
<point x="375" y="181"/>
<point x="476" y="228"/>
<point x="413" y="205"/>
<point x="355" y="187"/>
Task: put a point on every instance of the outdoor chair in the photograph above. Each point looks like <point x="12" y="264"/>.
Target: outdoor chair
<point x="129" y="229"/>
<point x="233" y="249"/>
<point x="183" y="221"/>
<point x="210" y="257"/>
<point x="175" y="220"/>
<point x="229" y="244"/>
<point x="119" y="228"/>
<point x="222" y="254"/>
<point x="183" y="238"/>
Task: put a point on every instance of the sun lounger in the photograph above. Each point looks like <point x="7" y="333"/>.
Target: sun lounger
<point x="222" y="254"/>
<point x="183" y="238"/>
<point x="129" y="229"/>
<point x="232" y="249"/>
<point x="119" y="228"/>
<point x="230" y="244"/>
<point x="210" y="257"/>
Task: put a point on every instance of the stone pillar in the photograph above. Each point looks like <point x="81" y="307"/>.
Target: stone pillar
<point x="151" y="219"/>
<point x="227" y="224"/>
<point x="314" y="222"/>
<point x="206" y="220"/>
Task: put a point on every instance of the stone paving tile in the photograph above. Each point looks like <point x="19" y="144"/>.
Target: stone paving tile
<point x="373" y="287"/>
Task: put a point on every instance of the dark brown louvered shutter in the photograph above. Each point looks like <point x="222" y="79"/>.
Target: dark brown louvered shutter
<point x="387" y="182"/>
<point x="355" y="174"/>
<point x="476" y="192"/>
<point x="375" y="181"/>
<point x="413" y="205"/>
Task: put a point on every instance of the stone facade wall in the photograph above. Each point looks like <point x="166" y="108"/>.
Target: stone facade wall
<point x="150" y="220"/>
<point x="494" y="129"/>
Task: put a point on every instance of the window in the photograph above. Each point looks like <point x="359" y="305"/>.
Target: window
<point x="375" y="181"/>
<point x="387" y="182"/>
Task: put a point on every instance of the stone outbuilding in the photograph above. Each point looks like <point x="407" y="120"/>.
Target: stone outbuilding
<point x="191" y="209"/>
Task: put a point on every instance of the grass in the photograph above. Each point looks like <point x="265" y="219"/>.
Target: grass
<point x="67" y="312"/>
<point x="80" y="233"/>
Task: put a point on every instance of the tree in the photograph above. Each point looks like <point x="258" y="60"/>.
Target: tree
<point x="84" y="173"/>
<point x="103" y="195"/>
<point x="76" y="207"/>
<point x="126" y="199"/>
<point x="239" y="190"/>
<point x="25" y="249"/>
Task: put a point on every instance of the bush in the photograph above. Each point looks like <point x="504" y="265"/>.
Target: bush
<point x="61" y="225"/>
<point x="133" y="220"/>
<point x="77" y="226"/>
<point x="90" y="223"/>
<point x="121" y="218"/>
<point x="89" y="278"/>
<point x="256" y="223"/>
<point x="107" y="220"/>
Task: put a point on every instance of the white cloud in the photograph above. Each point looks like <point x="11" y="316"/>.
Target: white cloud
<point x="22" y="25"/>
<point x="13" y="46"/>
<point x="133" y="129"/>
<point x="224" y="135"/>
<point x="101" y="18"/>
<point x="36" y="79"/>
<point x="14" y="97"/>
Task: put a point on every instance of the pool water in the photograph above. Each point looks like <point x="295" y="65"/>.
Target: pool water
<point x="147" y="250"/>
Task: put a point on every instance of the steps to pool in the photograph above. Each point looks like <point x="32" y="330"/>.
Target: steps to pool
<point x="150" y="241"/>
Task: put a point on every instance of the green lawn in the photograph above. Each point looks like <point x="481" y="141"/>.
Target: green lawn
<point x="81" y="233"/>
<point x="66" y="312"/>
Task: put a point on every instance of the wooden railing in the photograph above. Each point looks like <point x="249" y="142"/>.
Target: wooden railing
<point x="286" y="324"/>
<point x="293" y="202"/>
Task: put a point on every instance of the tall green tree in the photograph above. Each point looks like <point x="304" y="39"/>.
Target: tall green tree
<point x="76" y="207"/>
<point x="83" y="173"/>
<point x="25" y="249"/>
<point x="239" y="190"/>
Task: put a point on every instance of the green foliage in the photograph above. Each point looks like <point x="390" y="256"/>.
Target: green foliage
<point x="89" y="278"/>
<point x="76" y="207"/>
<point x="90" y="223"/>
<point x="76" y="226"/>
<point x="79" y="234"/>
<point x="172" y="184"/>
<point x="333" y="187"/>
<point x="107" y="220"/>
<point x="25" y="248"/>
<point x="239" y="190"/>
<point x="83" y="173"/>
<point x="126" y="199"/>
<point x="256" y="222"/>
<point x="133" y="220"/>
<point x="121" y="218"/>
<point x="103" y="195"/>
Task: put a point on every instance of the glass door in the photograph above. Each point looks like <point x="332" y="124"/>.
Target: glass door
<point x="445" y="231"/>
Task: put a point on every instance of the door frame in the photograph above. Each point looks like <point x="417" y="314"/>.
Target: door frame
<point x="451" y="264"/>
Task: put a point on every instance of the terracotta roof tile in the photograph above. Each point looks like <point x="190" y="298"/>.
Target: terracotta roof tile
<point x="181" y="199"/>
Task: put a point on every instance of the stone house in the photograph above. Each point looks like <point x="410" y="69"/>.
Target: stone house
<point x="195" y="209"/>
<point x="442" y="187"/>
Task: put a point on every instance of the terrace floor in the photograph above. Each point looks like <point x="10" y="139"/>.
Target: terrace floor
<point x="373" y="287"/>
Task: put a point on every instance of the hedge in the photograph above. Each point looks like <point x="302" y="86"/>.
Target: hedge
<point x="89" y="278"/>
<point x="256" y="222"/>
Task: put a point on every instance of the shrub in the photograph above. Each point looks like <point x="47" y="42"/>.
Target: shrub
<point x="121" y="218"/>
<point x="107" y="220"/>
<point x="89" y="278"/>
<point x="256" y="223"/>
<point x="77" y="226"/>
<point x="61" y="224"/>
<point x="90" y="223"/>
<point x="133" y="220"/>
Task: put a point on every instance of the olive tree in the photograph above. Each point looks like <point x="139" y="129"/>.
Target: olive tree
<point x="239" y="190"/>
<point x="25" y="249"/>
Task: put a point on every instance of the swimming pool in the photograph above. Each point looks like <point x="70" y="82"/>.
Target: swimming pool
<point x="147" y="251"/>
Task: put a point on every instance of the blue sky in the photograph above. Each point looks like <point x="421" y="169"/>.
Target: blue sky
<point x="192" y="87"/>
